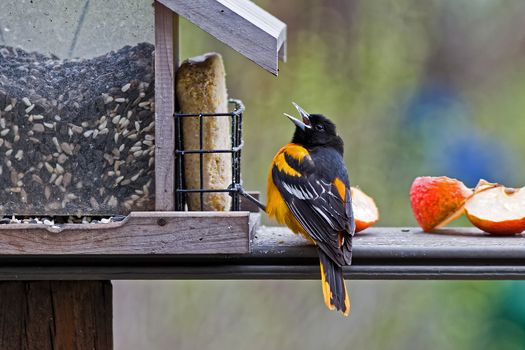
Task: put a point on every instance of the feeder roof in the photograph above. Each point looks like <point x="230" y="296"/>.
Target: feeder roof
<point x="240" y="24"/>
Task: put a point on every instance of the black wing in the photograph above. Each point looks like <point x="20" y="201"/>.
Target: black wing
<point x="316" y="204"/>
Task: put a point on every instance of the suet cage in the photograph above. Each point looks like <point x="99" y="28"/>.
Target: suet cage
<point x="235" y="119"/>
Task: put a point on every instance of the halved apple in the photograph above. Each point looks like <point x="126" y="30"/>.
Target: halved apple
<point x="365" y="210"/>
<point x="436" y="201"/>
<point x="497" y="209"/>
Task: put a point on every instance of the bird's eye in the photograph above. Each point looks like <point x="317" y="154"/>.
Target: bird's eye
<point x="319" y="127"/>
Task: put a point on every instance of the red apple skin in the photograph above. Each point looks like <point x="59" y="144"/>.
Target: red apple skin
<point x="502" y="228"/>
<point x="508" y="227"/>
<point x="437" y="200"/>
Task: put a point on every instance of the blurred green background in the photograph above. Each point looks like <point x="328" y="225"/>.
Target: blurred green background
<point x="415" y="87"/>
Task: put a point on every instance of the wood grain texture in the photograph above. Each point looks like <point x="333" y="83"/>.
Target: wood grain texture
<point x="239" y="24"/>
<point x="379" y="253"/>
<point x="141" y="233"/>
<point x="166" y="63"/>
<point x="52" y="315"/>
<point x="398" y="242"/>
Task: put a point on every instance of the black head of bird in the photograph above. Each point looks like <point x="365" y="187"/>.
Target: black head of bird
<point x="315" y="130"/>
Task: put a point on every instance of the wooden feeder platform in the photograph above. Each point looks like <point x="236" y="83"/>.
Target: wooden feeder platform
<point x="276" y="253"/>
<point x="142" y="233"/>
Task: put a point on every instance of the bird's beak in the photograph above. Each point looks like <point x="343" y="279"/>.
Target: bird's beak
<point x="305" y="124"/>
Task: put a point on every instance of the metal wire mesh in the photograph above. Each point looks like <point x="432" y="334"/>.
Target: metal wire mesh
<point x="236" y="145"/>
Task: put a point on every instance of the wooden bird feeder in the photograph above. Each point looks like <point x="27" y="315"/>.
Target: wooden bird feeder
<point x="240" y="24"/>
<point x="159" y="234"/>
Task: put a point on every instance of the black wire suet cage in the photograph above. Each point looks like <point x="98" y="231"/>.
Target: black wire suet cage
<point x="235" y="188"/>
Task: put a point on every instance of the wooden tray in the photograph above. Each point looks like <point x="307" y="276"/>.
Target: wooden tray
<point x="142" y="233"/>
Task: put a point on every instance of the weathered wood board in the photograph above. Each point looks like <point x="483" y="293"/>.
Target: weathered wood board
<point x="140" y="233"/>
<point x="276" y="253"/>
<point x="166" y="64"/>
<point x="240" y="24"/>
<point x="401" y="243"/>
<point x="48" y="315"/>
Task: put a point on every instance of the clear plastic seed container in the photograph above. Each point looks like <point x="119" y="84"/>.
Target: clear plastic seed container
<point x="76" y="107"/>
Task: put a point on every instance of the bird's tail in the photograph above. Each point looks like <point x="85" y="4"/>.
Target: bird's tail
<point x="334" y="289"/>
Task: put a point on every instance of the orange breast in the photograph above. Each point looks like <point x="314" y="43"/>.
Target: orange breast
<point x="276" y="206"/>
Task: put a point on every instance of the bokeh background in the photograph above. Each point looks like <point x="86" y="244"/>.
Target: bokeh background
<point x="415" y="87"/>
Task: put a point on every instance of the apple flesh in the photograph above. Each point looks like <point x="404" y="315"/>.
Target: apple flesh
<point x="365" y="210"/>
<point x="436" y="201"/>
<point x="497" y="209"/>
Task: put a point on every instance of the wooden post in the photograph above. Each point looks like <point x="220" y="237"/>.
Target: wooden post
<point x="56" y="315"/>
<point x="166" y="63"/>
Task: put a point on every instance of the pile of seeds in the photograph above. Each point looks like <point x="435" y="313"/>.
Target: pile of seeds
<point x="76" y="136"/>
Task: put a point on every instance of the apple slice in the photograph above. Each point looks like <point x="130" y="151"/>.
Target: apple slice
<point x="436" y="201"/>
<point x="497" y="209"/>
<point x="365" y="210"/>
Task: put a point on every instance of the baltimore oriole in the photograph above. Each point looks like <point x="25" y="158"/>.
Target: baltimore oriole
<point x="309" y="191"/>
